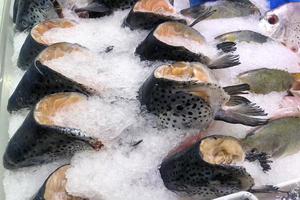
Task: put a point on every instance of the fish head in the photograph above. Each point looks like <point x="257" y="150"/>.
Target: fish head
<point x="30" y="13"/>
<point x="210" y="164"/>
<point x="274" y="23"/>
<point x="223" y="153"/>
<point x="196" y="79"/>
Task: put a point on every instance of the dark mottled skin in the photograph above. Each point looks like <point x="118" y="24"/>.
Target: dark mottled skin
<point x="118" y="4"/>
<point x="27" y="13"/>
<point x="153" y="49"/>
<point x="146" y="20"/>
<point x="35" y="144"/>
<point x="175" y="108"/>
<point x="29" y="51"/>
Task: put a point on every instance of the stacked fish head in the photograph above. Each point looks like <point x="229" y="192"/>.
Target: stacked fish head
<point x="35" y="41"/>
<point x="42" y="79"/>
<point x="40" y="140"/>
<point x="146" y="14"/>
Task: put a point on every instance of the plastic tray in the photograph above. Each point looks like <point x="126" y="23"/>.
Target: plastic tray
<point x="6" y="73"/>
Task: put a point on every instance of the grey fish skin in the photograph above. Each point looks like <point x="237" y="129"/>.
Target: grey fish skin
<point x="31" y="12"/>
<point x="280" y="137"/>
<point x="243" y="36"/>
<point x="264" y="81"/>
<point x="283" y="25"/>
<point x="118" y="4"/>
<point x="228" y="9"/>
<point x="187" y="174"/>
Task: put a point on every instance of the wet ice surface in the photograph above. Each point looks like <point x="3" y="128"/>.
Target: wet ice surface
<point x="122" y="170"/>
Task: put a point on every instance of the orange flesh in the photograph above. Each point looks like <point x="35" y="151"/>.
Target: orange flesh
<point x="56" y="186"/>
<point x="38" y="31"/>
<point x="183" y="71"/>
<point x="156" y="6"/>
<point x="178" y="31"/>
<point x="224" y="150"/>
<point x="49" y="106"/>
<point x="58" y="50"/>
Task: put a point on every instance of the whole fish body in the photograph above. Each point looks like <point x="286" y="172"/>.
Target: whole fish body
<point x="243" y="36"/>
<point x="283" y="24"/>
<point x="280" y="137"/>
<point x="227" y="9"/>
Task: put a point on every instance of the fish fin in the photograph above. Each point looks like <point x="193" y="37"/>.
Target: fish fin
<point x="207" y="12"/>
<point x="196" y="11"/>
<point x="227" y="47"/>
<point x="242" y="105"/>
<point x="225" y="62"/>
<point x="236" y="117"/>
<point x="237" y="89"/>
<point x="262" y="157"/>
<point x="94" y="7"/>
<point x="266" y="189"/>
<point x="237" y="100"/>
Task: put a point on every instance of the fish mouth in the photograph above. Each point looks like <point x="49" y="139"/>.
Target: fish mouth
<point x="38" y="31"/>
<point x="178" y="34"/>
<point x="162" y="7"/>
<point x="49" y="106"/>
<point x="184" y="71"/>
<point x="221" y="150"/>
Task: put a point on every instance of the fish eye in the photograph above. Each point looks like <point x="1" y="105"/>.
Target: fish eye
<point x="273" y="19"/>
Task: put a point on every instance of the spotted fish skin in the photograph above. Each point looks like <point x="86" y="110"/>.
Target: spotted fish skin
<point x="182" y="99"/>
<point x="31" y="12"/>
<point x="35" y="144"/>
<point x="187" y="174"/>
<point x="29" y="51"/>
<point x="175" y="108"/>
